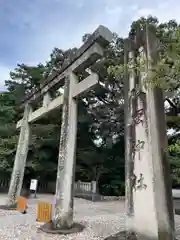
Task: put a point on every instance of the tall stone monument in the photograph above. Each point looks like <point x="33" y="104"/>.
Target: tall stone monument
<point x="149" y="204"/>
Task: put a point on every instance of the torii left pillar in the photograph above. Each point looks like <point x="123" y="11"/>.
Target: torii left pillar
<point x="20" y="160"/>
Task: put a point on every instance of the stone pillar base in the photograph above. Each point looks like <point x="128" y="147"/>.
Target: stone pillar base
<point x="129" y="236"/>
<point x="9" y="207"/>
<point x="48" y="228"/>
<point x="122" y="236"/>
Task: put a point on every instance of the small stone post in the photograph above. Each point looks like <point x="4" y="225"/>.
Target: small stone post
<point x="94" y="189"/>
<point x="20" y="159"/>
<point x="94" y="186"/>
<point x="79" y="185"/>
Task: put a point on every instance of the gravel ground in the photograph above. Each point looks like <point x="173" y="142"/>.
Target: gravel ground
<point x="100" y="219"/>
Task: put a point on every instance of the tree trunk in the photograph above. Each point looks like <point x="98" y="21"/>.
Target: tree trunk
<point x="20" y="160"/>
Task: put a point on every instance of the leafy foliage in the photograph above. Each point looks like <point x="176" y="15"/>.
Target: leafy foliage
<point x="174" y="151"/>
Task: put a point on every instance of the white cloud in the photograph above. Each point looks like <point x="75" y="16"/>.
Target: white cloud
<point x="164" y="11"/>
<point x="68" y="34"/>
<point x="112" y="7"/>
<point x="49" y="25"/>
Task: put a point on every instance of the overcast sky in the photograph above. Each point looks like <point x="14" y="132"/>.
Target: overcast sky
<point x="31" y="28"/>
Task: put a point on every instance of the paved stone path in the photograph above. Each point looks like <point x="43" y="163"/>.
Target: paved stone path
<point x="101" y="219"/>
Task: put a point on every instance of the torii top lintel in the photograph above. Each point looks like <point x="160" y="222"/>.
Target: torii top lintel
<point x="102" y="36"/>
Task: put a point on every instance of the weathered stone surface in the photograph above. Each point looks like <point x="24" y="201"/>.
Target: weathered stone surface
<point x="20" y="159"/>
<point x="63" y="212"/>
<point x="149" y="195"/>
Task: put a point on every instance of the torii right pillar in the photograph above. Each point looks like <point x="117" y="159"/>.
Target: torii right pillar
<point x="149" y="204"/>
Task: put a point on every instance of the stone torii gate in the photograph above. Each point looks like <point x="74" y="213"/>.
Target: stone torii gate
<point x="88" y="53"/>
